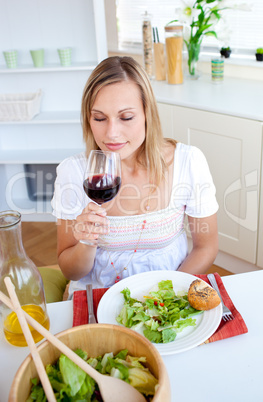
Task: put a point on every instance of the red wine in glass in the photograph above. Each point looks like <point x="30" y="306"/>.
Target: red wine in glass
<point x="102" y="188"/>
<point x="102" y="179"/>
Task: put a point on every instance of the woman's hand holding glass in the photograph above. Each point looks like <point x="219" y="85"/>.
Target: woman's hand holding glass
<point x="90" y="224"/>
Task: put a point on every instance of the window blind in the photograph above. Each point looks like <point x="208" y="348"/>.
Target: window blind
<point x="245" y="27"/>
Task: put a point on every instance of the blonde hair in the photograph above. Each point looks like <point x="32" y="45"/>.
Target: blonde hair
<point x="117" y="69"/>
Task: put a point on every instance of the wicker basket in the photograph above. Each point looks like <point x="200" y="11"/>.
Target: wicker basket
<point x="20" y="106"/>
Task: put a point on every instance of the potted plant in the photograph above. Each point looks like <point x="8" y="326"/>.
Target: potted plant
<point x="225" y="52"/>
<point x="259" y="54"/>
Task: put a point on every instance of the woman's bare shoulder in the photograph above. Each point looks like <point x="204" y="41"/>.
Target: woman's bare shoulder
<point x="168" y="152"/>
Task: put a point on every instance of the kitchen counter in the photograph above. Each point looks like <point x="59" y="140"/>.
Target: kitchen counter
<point x="234" y="96"/>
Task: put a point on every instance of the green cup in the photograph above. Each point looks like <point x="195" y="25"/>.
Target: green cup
<point x="65" y="56"/>
<point x="37" y="57"/>
<point x="10" y="58"/>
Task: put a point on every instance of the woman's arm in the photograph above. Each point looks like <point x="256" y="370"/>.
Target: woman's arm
<point x="205" y="245"/>
<point x="76" y="259"/>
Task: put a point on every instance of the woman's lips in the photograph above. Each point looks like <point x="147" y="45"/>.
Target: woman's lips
<point x="115" y="147"/>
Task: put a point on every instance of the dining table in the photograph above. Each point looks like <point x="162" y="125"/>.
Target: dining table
<point x="228" y="370"/>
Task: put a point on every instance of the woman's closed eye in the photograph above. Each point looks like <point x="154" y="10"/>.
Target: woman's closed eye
<point x="127" y="118"/>
<point x="122" y="118"/>
<point x="101" y="119"/>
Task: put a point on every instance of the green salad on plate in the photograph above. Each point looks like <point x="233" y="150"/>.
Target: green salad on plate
<point x="162" y="314"/>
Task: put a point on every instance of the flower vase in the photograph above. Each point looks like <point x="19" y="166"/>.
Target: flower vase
<point x="193" y="56"/>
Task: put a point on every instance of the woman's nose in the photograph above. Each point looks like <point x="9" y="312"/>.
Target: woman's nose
<point x="112" y="129"/>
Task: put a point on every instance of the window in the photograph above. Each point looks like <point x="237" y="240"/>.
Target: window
<point x="246" y="28"/>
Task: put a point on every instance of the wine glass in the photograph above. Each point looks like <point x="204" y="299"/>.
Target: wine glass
<point x="103" y="176"/>
<point x="102" y="179"/>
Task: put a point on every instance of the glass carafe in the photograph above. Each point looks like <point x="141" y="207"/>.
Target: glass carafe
<point x="26" y="278"/>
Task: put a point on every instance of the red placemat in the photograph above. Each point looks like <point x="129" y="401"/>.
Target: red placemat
<point x="80" y="305"/>
<point x="226" y="329"/>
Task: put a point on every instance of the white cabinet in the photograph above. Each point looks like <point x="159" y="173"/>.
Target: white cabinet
<point x="56" y="132"/>
<point x="232" y="147"/>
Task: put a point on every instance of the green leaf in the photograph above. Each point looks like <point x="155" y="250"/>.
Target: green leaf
<point x="86" y="391"/>
<point x="141" y="316"/>
<point x="153" y="336"/>
<point x="181" y="324"/>
<point x="104" y="362"/>
<point x="142" y="380"/>
<point x="37" y="393"/>
<point x="60" y="387"/>
<point x="202" y="29"/>
<point x="168" y="335"/>
<point x="168" y="284"/>
<point x="93" y="362"/>
<point x="81" y="354"/>
<point x="149" y="303"/>
<point x="72" y="374"/>
<point x="163" y="294"/>
<point x="125" y="316"/>
<point x="213" y="33"/>
<point x="136" y="361"/>
<point x="122" y="369"/>
<point x="122" y="354"/>
<point x="174" y="317"/>
<point x="171" y="22"/>
<point x="126" y="293"/>
<point x="152" y="324"/>
<point x="216" y="14"/>
<point x="34" y="381"/>
<point x="201" y="17"/>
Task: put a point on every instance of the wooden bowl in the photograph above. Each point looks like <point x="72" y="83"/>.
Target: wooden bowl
<point x="95" y="339"/>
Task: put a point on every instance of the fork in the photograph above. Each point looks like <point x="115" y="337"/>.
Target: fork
<point x="92" y="319"/>
<point x="227" y="315"/>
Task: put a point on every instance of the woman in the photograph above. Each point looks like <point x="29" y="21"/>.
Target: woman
<point x="162" y="181"/>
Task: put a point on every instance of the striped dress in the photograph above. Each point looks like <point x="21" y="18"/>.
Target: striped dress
<point x="158" y="237"/>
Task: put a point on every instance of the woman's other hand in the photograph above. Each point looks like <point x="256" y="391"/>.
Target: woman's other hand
<point x="205" y="245"/>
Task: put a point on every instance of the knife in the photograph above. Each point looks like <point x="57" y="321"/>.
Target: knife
<point x="92" y="318"/>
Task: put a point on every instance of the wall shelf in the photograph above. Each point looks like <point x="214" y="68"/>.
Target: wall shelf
<point x="43" y="156"/>
<point x="48" y="68"/>
<point x="52" y="117"/>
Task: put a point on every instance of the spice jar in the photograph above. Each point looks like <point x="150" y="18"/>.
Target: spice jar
<point x="147" y="43"/>
<point x="26" y="278"/>
<point x="174" y="51"/>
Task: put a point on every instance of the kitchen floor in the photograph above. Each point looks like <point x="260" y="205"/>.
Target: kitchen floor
<point x="40" y="242"/>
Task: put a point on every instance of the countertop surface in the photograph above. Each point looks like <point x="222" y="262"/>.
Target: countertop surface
<point x="234" y="96"/>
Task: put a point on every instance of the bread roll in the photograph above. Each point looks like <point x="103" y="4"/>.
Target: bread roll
<point x="201" y="296"/>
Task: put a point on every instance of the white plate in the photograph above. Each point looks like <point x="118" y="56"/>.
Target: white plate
<point x="112" y="301"/>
